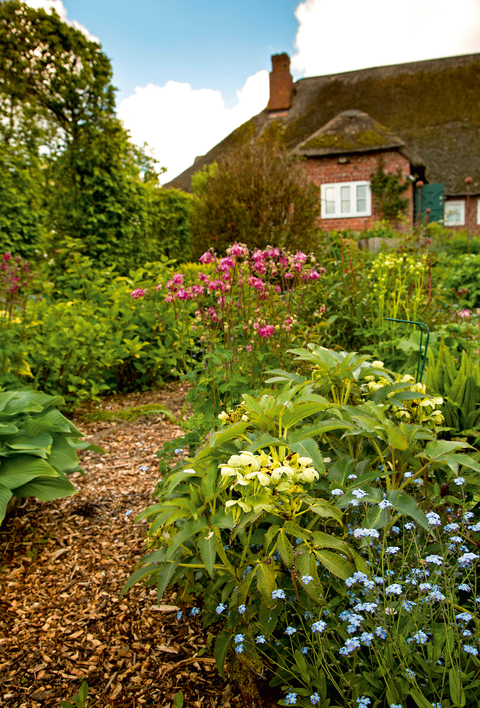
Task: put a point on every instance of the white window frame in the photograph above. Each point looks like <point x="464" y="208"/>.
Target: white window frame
<point x="457" y="203"/>
<point x="337" y="214"/>
<point x="478" y="211"/>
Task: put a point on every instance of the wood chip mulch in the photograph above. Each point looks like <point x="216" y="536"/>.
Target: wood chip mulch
<point x="62" y="567"/>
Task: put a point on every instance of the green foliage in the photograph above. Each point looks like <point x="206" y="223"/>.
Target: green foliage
<point x="83" y="335"/>
<point x="458" y="382"/>
<point x="387" y="189"/>
<point x="80" y="699"/>
<point x="37" y="448"/>
<point x="257" y="194"/>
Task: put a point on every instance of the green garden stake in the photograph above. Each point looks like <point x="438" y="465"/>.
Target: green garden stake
<point x="420" y="358"/>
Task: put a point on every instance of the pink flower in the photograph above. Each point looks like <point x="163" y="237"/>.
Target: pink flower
<point x="256" y="325"/>
<point x="238" y="250"/>
<point x="215" y="285"/>
<point x="213" y="314"/>
<point x="266" y="331"/>
<point x="225" y="264"/>
<point x="207" y="257"/>
<point x="464" y="314"/>
<point x="322" y="271"/>
<point x="158" y="287"/>
<point x="257" y="255"/>
<point x="300" y="257"/>
<point x="178" y="279"/>
<point x="169" y="297"/>
<point x="283" y="261"/>
<point x="289" y="275"/>
<point x="204" y="278"/>
<point x="273" y="253"/>
<point x="6" y="257"/>
<point x="197" y="289"/>
<point x="313" y="275"/>
<point x="278" y="289"/>
<point x="322" y="309"/>
<point x="136" y="294"/>
<point x="249" y="347"/>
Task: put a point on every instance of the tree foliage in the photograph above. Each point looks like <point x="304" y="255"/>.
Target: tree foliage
<point x="71" y="171"/>
<point x="257" y="194"/>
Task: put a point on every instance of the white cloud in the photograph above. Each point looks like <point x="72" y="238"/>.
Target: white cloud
<point x="342" y="36"/>
<point x="179" y="122"/>
<point x="60" y="9"/>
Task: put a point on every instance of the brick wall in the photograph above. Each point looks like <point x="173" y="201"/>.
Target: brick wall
<point x="327" y="170"/>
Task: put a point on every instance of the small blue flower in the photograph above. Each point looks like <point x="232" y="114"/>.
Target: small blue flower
<point x="306" y="579"/>
<point x="194" y="611"/>
<point x="395" y="705"/>
<point x="241" y="609"/>
<point x="438" y="560"/>
<point x="308" y="615"/>
<point x="420" y="637"/>
<point x="290" y="631"/>
<point x="304" y="650"/>
<point x="337" y="492"/>
<point x="459" y="481"/>
<point x="318" y="627"/>
<point x="290" y="699"/>
<point x="179" y="615"/>
<point x="144" y="468"/>
<point x="260" y="639"/>
<point x="437" y="595"/>
<point x="395" y="530"/>
<point x="363" y="701"/>
<point x="278" y="595"/>
<point x="238" y="639"/>
<point x="410" y="526"/>
<point x="470" y="650"/>
<point x="464" y="587"/>
<point x="178" y="450"/>
<point x="127" y="513"/>
<point x="410" y="674"/>
<point x="391" y="550"/>
<point x="239" y="649"/>
<point x="408" y="605"/>
<point x="466" y="633"/>
<point x="220" y="608"/>
<point x="384" y="504"/>
<point x="407" y="475"/>
<point x="433" y="518"/>
<point x="468" y="515"/>
<point x="314" y="699"/>
<point x="467" y="559"/>
<point x="451" y="527"/>
<point x="381" y="632"/>
<point x="366" y="638"/>
<point x="352" y="476"/>
<point x="359" y="493"/>
<point x="394" y="589"/>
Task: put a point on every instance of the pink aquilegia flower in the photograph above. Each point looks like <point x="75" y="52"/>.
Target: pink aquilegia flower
<point x="138" y="293"/>
<point x="313" y="274"/>
<point x="249" y="347"/>
<point x="225" y="264"/>
<point x="322" y="309"/>
<point x="322" y="271"/>
<point x="300" y="257"/>
<point x="238" y="249"/>
<point x="266" y="331"/>
<point x="182" y="294"/>
<point x="169" y="297"/>
<point x="278" y="289"/>
<point x="464" y="314"/>
<point x="207" y="257"/>
<point x="204" y="278"/>
<point x="178" y="279"/>
<point x="289" y="275"/>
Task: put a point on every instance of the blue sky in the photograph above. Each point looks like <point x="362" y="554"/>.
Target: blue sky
<point x="191" y="71"/>
<point x="214" y="44"/>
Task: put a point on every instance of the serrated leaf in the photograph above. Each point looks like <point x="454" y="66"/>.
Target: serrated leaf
<point x="309" y="448"/>
<point x="294" y="529"/>
<point x="285" y="549"/>
<point x="335" y="563"/>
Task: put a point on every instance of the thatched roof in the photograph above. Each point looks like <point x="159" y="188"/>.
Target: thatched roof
<point x="432" y="106"/>
<point x="354" y="132"/>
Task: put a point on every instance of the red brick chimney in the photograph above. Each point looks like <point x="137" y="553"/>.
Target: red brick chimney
<point x="281" y="83"/>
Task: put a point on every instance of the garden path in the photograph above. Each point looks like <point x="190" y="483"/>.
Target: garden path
<point x="62" y="567"/>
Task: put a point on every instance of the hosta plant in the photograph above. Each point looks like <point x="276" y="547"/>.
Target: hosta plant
<point x="38" y="448"/>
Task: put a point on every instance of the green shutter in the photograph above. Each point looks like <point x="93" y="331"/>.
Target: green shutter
<point x="432" y="198"/>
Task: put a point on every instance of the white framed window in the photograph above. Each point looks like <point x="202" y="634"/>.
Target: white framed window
<point x="478" y="211"/>
<point x="454" y="213"/>
<point x="342" y="200"/>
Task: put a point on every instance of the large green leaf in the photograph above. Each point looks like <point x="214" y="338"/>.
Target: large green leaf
<point x="222" y="645"/>
<point x="208" y="551"/>
<point x="39" y="445"/>
<point x="45" y="488"/>
<point x="20" y="469"/>
<point x="306" y="565"/>
<point x="190" y="528"/>
<point x="266" y="582"/>
<point x="5" y="496"/>
<point x="285" y="549"/>
<point x="140" y="574"/>
<point x="62" y="455"/>
<point x="404" y="504"/>
<point x="51" y="421"/>
<point x="335" y="563"/>
<point x="436" y="449"/>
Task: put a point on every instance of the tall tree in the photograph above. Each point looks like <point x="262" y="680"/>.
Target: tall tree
<point x="57" y="106"/>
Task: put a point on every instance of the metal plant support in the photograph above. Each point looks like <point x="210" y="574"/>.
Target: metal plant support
<point x="421" y="359"/>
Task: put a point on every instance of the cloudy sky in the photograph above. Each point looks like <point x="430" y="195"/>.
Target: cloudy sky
<point x="190" y="71"/>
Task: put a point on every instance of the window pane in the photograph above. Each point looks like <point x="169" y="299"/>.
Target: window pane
<point x="345" y="200"/>
<point x="361" y="198"/>
<point x="454" y="214"/>
<point x="330" y="200"/>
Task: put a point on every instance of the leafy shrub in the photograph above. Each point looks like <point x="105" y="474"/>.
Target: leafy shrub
<point x="83" y="336"/>
<point x="459" y="385"/>
<point x="270" y="533"/>
<point x="37" y="448"/>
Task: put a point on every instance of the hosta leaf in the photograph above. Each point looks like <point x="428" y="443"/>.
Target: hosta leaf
<point x="45" y="488"/>
<point x="20" y="469"/>
<point x="5" y="496"/>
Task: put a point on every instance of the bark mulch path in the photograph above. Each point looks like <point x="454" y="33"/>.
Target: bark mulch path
<point x="62" y="566"/>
